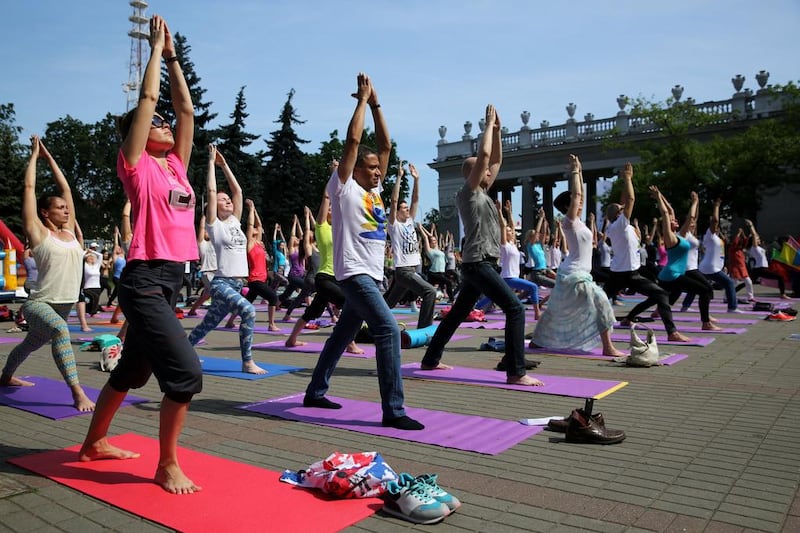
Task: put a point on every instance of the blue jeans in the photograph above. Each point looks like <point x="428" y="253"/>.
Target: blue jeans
<point x="528" y="289"/>
<point x="727" y="283"/>
<point x="483" y="278"/>
<point x="226" y="296"/>
<point x="363" y="302"/>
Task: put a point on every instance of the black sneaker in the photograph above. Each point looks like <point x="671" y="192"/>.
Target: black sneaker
<point x="529" y="365"/>
<point x="402" y="422"/>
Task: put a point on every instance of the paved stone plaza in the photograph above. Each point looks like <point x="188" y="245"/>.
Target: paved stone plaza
<point x="713" y="442"/>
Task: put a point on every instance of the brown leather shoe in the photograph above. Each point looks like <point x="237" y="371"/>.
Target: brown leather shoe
<point x="591" y="431"/>
<point x="560" y="426"/>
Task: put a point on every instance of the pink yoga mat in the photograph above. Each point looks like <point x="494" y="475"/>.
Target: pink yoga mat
<point x="235" y="496"/>
<point x="556" y="385"/>
<point x="450" y="430"/>
<point x="597" y="354"/>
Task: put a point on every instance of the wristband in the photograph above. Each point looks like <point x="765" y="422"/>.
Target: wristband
<point x="172" y="59"/>
<point x="376" y="106"/>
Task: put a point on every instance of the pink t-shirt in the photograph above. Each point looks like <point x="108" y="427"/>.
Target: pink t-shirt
<point x="162" y="204"/>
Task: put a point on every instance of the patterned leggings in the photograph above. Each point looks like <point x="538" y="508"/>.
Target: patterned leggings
<point x="227" y="297"/>
<point x="48" y="323"/>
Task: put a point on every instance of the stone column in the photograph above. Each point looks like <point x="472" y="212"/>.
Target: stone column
<point x="528" y="213"/>
<point x="547" y="200"/>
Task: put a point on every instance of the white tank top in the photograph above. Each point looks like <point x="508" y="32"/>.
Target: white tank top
<point x="60" y="268"/>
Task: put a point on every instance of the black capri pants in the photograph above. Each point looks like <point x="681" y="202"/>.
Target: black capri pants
<point x="156" y="342"/>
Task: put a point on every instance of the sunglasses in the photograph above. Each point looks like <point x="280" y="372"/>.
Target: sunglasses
<point x="159" y="122"/>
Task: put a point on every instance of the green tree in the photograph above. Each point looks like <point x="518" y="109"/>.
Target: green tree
<point x="87" y="155"/>
<point x="12" y="166"/>
<point x="318" y="165"/>
<point x="197" y="167"/>
<point x="690" y="152"/>
<point x="431" y="217"/>
<point x="232" y="140"/>
<point x="332" y="149"/>
<point x="286" y="174"/>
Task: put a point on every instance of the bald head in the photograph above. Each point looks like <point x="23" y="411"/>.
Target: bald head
<point x="613" y="211"/>
<point x="467" y="166"/>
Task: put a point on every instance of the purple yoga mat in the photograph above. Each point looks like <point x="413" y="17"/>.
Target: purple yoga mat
<point x="5" y="340"/>
<point x="483" y="325"/>
<point x="661" y="339"/>
<point x="259" y="329"/>
<point x="312" y="347"/>
<point x="50" y="398"/>
<point x="597" y="354"/>
<point x="693" y="317"/>
<point x="463" y="432"/>
<point x="557" y="385"/>
<point x="659" y="326"/>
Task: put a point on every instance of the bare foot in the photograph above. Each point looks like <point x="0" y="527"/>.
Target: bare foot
<point x="251" y="367"/>
<point x="230" y="325"/>
<point x="173" y="480"/>
<point x="116" y="320"/>
<point x="354" y="349"/>
<point x="784" y="297"/>
<point x="292" y="343"/>
<point x="708" y="326"/>
<point x="678" y="337"/>
<point x="440" y="366"/>
<point x="712" y="319"/>
<point x="613" y="352"/>
<point x="102" y="449"/>
<point x="81" y="401"/>
<point x="87" y="329"/>
<point x="15" y="382"/>
<point x="524" y="380"/>
<point x="273" y="327"/>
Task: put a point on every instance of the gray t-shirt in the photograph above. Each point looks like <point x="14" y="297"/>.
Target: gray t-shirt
<point x="481" y="225"/>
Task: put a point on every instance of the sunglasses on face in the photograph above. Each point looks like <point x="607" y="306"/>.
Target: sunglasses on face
<point x="159" y="122"/>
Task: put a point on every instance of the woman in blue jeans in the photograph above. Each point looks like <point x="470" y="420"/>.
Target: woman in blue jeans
<point x="230" y="245"/>
<point x="713" y="260"/>
<point x="509" y="264"/>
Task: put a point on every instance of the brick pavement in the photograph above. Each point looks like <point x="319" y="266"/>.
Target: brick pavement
<point x="712" y="442"/>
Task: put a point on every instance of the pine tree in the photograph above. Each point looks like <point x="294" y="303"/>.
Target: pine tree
<point x="286" y="177"/>
<point x="232" y="139"/>
<point x="13" y="158"/>
<point x="197" y="167"/>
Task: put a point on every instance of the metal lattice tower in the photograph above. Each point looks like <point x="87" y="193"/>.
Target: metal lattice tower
<point x="139" y="35"/>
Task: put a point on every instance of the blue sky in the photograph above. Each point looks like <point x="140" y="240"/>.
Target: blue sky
<point x="433" y="62"/>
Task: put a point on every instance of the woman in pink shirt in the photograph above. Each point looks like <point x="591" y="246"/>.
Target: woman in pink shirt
<point x="152" y="167"/>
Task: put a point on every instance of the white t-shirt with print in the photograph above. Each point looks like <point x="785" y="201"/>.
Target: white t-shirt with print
<point x="230" y="247"/>
<point x="358" y="218"/>
<point x="405" y="243"/>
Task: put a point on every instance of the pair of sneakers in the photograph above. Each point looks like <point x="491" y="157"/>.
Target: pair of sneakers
<point x="418" y="499"/>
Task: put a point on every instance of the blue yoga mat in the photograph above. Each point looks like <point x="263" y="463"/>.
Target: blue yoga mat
<point x="232" y="368"/>
<point x="75" y="328"/>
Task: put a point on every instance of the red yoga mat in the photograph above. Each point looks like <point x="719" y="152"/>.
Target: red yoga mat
<point x="235" y="496"/>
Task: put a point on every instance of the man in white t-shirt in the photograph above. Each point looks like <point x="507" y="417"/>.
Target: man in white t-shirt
<point x="625" y="261"/>
<point x="405" y="250"/>
<point x="359" y="237"/>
